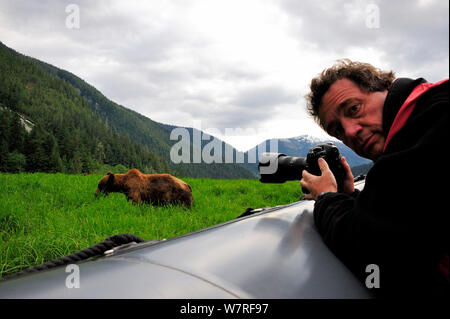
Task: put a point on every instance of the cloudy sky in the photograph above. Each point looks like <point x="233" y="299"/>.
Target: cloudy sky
<point x="235" y="68"/>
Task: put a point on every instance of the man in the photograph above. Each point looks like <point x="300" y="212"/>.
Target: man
<point x="399" y="222"/>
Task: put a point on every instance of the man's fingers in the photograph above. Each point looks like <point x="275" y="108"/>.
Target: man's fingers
<point x="323" y="165"/>
<point x="303" y="183"/>
<point x="304" y="186"/>
<point x="347" y="168"/>
<point x="306" y="174"/>
<point x="345" y="164"/>
<point x="308" y="196"/>
<point x="319" y="184"/>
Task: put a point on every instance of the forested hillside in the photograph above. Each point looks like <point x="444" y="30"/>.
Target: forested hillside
<point x="76" y="129"/>
<point x="154" y="135"/>
<point x="66" y="135"/>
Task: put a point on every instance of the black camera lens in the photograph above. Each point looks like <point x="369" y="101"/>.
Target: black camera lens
<point x="279" y="168"/>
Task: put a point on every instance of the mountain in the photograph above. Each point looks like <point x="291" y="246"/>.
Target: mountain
<point x="154" y="135"/>
<point x="211" y="147"/>
<point x="65" y="136"/>
<point x="79" y="128"/>
<point x="361" y="169"/>
<point x="76" y="129"/>
<point x="299" y="147"/>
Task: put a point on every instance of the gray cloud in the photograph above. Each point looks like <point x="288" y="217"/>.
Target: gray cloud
<point x="249" y="107"/>
<point x="155" y="60"/>
<point x="256" y="97"/>
<point x="412" y="35"/>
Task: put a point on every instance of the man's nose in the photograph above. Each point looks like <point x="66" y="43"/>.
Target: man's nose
<point x="351" y="128"/>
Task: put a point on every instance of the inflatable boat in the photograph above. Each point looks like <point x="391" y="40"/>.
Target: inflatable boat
<point x="273" y="253"/>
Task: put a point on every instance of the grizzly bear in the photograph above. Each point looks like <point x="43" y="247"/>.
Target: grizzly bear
<point x="155" y="189"/>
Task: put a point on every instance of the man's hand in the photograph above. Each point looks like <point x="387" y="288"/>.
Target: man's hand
<point x="319" y="184"/>
<point x="326" y="182"/>
<point x="348" y="184"/>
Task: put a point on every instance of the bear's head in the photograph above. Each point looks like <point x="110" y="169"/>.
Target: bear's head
<point x="105" y="185"/>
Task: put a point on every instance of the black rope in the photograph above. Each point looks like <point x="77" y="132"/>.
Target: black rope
<point x="93" y="251"/>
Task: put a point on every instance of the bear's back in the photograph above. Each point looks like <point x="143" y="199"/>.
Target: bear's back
<point x="167" y="188"/>
<point x="166" y="180"/>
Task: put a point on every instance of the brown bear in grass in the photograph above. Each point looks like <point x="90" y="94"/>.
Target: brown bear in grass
<point x="155" y="189"/>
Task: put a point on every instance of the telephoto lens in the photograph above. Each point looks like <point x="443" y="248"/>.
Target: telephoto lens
<point x="279" y="168"/>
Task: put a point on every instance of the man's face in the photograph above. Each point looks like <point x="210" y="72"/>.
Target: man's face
<point x="354" y="117"/>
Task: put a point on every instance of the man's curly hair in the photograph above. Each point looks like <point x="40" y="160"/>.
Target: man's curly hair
<point x="365" y="76"/>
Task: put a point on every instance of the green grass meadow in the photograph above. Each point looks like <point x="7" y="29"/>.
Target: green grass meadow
<point x="47" y="216"/>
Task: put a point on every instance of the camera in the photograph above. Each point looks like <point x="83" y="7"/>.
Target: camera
<point x="279" y="168"/>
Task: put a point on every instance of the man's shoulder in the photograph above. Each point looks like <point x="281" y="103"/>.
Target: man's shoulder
<point x="434" y="101"/>
<point x="436" y="94"/>
<point x="398" y="92"/>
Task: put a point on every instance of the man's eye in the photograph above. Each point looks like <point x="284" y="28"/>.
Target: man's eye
<point x="352" y="110"/>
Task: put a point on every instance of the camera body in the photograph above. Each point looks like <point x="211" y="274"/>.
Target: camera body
<point x="289" y="168"/>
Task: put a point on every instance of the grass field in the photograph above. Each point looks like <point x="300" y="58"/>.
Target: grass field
<point x="46" y="216"/>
